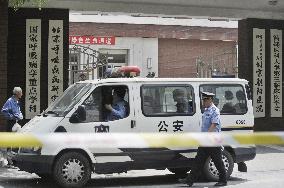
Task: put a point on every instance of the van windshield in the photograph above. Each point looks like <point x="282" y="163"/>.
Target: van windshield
<point x="71" y="96"/>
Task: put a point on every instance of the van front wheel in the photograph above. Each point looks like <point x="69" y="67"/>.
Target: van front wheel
<point x="72" y="169"/>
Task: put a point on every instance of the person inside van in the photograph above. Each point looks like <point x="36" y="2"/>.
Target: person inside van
<point x="228" y="106"/>
<point x="119" y="107"/>
<point x="241" y="106"/>
<point x="182" y="104"/>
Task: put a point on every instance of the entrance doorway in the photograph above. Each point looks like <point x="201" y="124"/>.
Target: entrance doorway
<point x="116" y="57"/>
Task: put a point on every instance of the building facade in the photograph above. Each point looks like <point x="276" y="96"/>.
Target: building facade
<point x="167" y="51"/>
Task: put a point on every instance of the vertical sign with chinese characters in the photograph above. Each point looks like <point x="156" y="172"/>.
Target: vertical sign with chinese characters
<point x="259" y="72"/>
<point x="276" y="72"/>
<point x="55" y="60"/>
<point x="33" y="60"/>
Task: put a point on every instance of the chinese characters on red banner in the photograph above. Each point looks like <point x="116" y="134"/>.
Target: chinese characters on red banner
<point x="276" y="72"/>
<point x="91" y="40"/>
<point x="33" y="61"/>
<point x="55" y="60"/>
<point x="259" y="72"/>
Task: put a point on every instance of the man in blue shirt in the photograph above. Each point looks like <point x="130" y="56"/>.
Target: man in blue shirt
<point x="118" y="109"/>
<point x="11" y="109"/>
<point x="12" y="112"/>
<point x="210" y="123"/>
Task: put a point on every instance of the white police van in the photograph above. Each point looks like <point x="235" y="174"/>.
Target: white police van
<point x="151" y="107"/>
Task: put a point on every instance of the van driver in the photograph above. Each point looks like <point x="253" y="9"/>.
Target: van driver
<point x="118" y="109"/>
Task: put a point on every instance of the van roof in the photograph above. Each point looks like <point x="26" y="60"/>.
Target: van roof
<point x="150" y="80"/>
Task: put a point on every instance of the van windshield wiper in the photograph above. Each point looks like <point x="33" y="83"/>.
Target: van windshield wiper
<point x="50" y="112"/>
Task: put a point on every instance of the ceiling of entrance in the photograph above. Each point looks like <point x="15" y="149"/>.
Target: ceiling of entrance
<point x="238" y="9"/>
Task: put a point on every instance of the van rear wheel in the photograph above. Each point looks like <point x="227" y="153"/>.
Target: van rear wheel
<point x="210" y="171"/>
<point x="72" y="169"/>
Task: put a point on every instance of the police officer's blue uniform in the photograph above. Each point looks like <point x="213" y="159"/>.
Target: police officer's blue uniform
<point x="210" y="116"/>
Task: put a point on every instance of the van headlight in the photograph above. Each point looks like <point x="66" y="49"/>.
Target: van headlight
<point x="33" y="150"/>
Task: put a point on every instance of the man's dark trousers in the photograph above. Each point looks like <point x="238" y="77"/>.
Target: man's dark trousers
<point x="202" y="154"/>
<point x="10" y="124"/>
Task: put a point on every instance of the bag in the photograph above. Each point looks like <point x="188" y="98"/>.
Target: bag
<point x="16" y="127"/>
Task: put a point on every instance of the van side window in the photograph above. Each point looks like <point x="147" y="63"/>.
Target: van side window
<point x="167" y="100"/>
<point x="229" y="98"/>
<point x="107" y="103"/>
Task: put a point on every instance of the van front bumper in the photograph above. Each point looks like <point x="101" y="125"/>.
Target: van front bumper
<point x="34" y="163"/>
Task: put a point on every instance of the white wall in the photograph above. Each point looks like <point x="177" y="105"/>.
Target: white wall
<point x="150" y="50"/>
<point x="139" y="50"/>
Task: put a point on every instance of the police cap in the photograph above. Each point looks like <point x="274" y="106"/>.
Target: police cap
<point x="206" y="95"/>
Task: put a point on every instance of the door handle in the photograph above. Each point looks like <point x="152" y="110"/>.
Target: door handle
<point x="133" y="123"/>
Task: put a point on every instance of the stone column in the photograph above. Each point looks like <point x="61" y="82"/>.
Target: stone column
<point x="245" y="42"/>
<point x="3" y="57"/>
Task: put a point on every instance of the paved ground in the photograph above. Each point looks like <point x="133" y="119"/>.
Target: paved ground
<point x="267" y="170"/>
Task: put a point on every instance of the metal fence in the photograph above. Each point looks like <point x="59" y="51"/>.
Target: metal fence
<point x="85" y="63"/>
<point x="223" y="63"/>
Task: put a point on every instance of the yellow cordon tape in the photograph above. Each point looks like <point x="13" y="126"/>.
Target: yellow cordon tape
<point x="19" y="140"/>
<point x="140" y="140"/>
<point x="260" y="138"/>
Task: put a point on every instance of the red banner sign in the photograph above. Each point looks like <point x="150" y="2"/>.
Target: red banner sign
<point x="91" y="40"/>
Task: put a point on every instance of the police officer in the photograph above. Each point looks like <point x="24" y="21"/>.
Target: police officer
<point x="210" y="123"/>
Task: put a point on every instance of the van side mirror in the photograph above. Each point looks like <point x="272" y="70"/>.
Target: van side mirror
<point x="79" y="115"/>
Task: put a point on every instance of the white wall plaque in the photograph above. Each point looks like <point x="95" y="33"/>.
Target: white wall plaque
<point x="55" y="60"/>
<point x="259" y="72"/>
<point x="33" y="61"/>
<point x="276" y="72"/>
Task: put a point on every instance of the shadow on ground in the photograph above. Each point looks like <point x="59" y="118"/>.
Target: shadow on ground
<point x="267" y="149"/>
<point x="144" y="181"/>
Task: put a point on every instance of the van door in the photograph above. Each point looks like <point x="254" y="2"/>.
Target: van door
<point x="165" y="108"/>
<point x="97" y="118"/>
